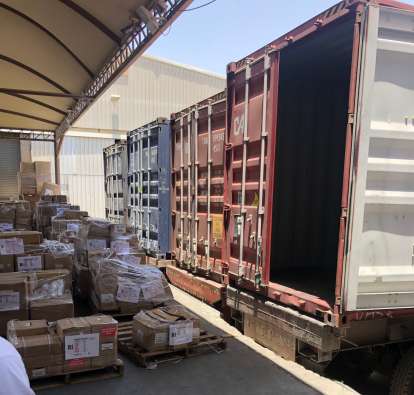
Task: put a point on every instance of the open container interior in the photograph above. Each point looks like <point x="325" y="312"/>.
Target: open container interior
<point x="314" y="81"/>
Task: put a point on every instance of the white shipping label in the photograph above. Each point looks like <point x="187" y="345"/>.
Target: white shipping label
<point x="11" y="246"/>
<point x="38" y="372"/>
<point x="9" y="300"/>
<point x="71" y="227"/>
<point x="29" y="263"/>
<point x="152" y="289"/>
<point x="128" y="293"/>
<point x="107" y="346"/>
<point x="107" y="298"/>
<point x="121" y="247"/>
<point x="95" y="244"/>
<point x="5" y="227"/>
<point x="181" y="333"/>
<point x="60" y="211"/>
<point x="161" y="338"/>
<point x="81" y="346"/>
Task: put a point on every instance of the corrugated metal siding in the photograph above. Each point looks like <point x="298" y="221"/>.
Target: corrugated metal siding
<point x="9" y="166"/>
<point x="149" y="89"/>
<point x="81" y="168"/>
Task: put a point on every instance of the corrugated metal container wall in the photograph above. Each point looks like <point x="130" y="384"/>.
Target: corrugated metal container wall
<point x="149" y="179"/>
<point x="81" y="167"/>
<point x="149" y="89"/>
<point x="197" y="185"/>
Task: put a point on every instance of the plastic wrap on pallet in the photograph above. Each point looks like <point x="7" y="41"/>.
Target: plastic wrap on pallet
<point x="61" y="225"/>
<point x="7" y="217"/>
<point x="120" y="283"/>
<point x="95" y="228"/>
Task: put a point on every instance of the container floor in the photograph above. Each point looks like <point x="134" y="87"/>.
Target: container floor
<point x="315" y="281"/>
<point x="244" y="368"/>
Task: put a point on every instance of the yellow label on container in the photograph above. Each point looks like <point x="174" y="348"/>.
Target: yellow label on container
<point x="217" y="226"/>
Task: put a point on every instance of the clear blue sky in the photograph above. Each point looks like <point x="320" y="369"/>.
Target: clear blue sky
<point x="228" y="30"/>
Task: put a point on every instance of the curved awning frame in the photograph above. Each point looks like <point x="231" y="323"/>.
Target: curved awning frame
<point x="55" y="107"/>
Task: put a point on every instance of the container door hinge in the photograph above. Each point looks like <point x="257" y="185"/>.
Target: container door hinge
<point x="344" y="212"/>
<point x="351" y="119"/>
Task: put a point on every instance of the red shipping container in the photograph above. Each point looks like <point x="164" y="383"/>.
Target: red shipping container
<point x="293" y="159"/>
<point x="197" y="186"/>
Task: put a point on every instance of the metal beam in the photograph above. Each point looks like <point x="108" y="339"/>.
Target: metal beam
<point x="33" y="71"/>
<point x="38" y="102"/>
<point x="92" y="19"/>
<point x="21" y="114"/>
<point x="27" y="136"/>
<point x="49" y="33"/>
<point x="44" y="93"/>
<point x="138" y="40"/>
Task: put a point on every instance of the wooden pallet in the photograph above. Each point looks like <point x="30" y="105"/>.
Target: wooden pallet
<point x="151" y="359"/>
<point x="81" y="376"/>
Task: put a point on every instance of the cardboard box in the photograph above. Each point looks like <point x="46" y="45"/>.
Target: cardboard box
<point x="107" y="328"/>
<point x="74" y="214"/>
<point x="6" y="263"/>
<point x="27" y="328"/>
<point x="79" y="344"/>
<point x="6" y="316"/>
<point x="13" y="292"/>
<point x="58" y="262"/>
<point x="95" y="228"/>
<point x="165" y="328"/>
<point x="49" y="284"/>
<point x="52" y="309"/>
<point x="46" y="371"/>
<point x="38" y="346"/>
<point x="28" y="236"/>
<point x="43" y="174"/>
<point x="49" y="189"/>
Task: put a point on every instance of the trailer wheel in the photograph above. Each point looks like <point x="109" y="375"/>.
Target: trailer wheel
<point x="403" y="378"/>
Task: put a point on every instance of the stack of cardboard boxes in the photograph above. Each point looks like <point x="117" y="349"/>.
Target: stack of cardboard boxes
<point x="15" y="214"/>
<point x="74" y="344"/>
<point x="32" y="177"/>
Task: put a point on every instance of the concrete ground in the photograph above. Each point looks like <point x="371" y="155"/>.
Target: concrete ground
<point x="243" y="368"/>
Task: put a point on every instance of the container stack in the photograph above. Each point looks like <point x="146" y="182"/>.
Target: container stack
<point x="149" y="179"/>
<point x="115" y="170"/>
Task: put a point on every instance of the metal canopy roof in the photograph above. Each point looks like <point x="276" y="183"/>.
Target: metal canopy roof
<point x="57" y="56"/>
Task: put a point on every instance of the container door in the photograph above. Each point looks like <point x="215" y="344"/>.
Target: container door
<point x="380" y="258"/>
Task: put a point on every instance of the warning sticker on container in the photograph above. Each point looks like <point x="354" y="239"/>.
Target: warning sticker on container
<point x="217" y="226"/>
<point x="9" y="301"/>
<point x="11" y="246"/>
<point x="161" y="338"/>
<point x="81" y="346"/>
<point x="152" y="289"/>
<point x="128" y="293"/>
<point x="5" y="227"/>
<point x="95" y="244"/>
<point x="120" y="247"/>
<point x="181" y="333"/>
<point x="72" y="227"/>
<point x="29" y="263"/>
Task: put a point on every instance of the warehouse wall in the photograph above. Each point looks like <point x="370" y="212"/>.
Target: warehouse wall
<point x="150" y="88"/>
<point x="81" y="169"/>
